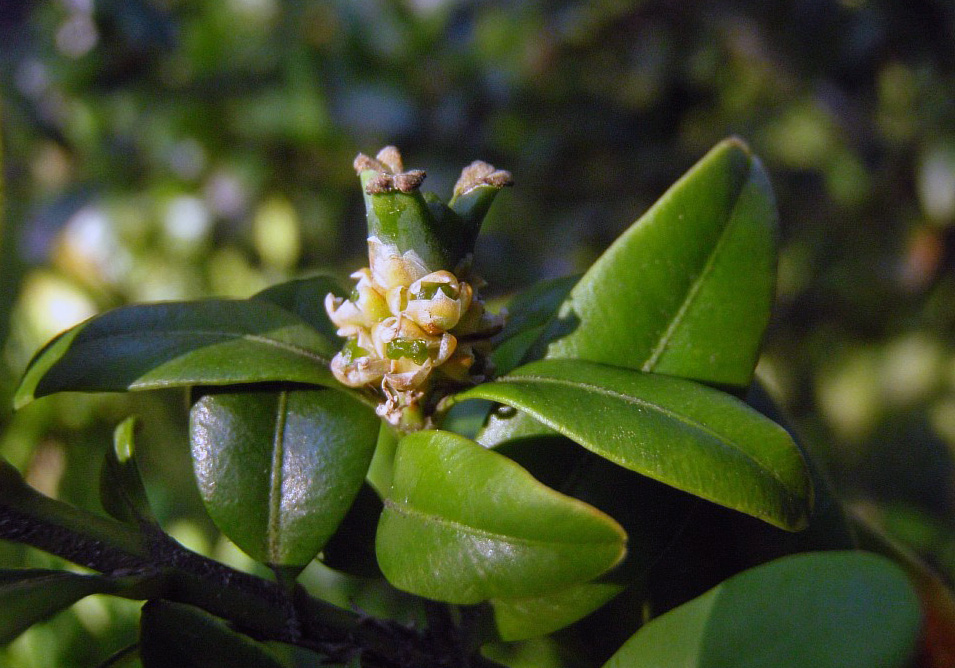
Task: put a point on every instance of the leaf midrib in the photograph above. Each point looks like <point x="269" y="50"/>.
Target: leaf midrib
<point x="276" y="479"/>
<point x="691" y="293"/>
<point x="219" y="336"/>
<point x="408" y="510"/>
<point x="626" y="398"/>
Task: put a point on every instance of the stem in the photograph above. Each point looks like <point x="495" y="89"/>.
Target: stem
<point x="261" y="608"/>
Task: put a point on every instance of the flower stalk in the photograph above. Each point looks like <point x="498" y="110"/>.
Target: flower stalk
<point x="415" y="323"/>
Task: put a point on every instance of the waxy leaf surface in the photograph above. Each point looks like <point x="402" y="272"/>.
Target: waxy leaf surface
<point x="463" y="524"/>
<point x="683" y="434"/>
<point x="279" y="470"/>
<point x="687" y="289"/>
<point x="814" y="610"/>
<point x="149" y="346"/>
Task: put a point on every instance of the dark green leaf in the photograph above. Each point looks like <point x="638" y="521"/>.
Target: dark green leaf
<point x="148" y="346"/>
<point x="174" y="634"/>
<point x="686" y="435"/>
<point x="305" y="297"/>
<point x="815" y="610"/>
<point x="528" y="312"/>
<point x="121" y="486"/>
<point x="279" y="470"/>
<point x="687" y="290"/>
<point x="464" y="524"/>
<point x="30" y="596"/>
<point x="32" y="518"/>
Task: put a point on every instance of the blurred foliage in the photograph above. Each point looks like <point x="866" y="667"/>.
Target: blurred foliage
<point x="168" y="149"/>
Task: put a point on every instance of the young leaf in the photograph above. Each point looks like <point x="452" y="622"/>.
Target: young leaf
<point x="686" y="435"/>
<point x="148" y="346"/>
<point x="305" y="297"/>
<point x="813" y="610"/>
<point x="279" y="470"/>
<point x="175" y="634"/>
<point x="463" y="524"/>
<point x="30" y="596"/>
<point x="687" y="290"/>
<point x="121" y="486"/>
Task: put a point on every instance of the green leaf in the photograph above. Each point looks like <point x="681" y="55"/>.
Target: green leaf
<point x="683" y="434"/>
<point x="814" y="610"/>
<point x="31" y="596"/>
<point x="149" y="346"/>
<point x="463" y="524"/>
<point x="687" y="289"/>
<point x="35" y="519"/>
<point x="174" y="634"/>
<point x="519" y="619"/>
<point x="279" y="470"/>
<point x="528" y="312"/>
<point x="121" y="486"/>
<point x="305" y="297"/>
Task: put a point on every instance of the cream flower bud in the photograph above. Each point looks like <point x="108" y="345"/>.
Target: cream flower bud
<point x="362" y="309"/>
<point x="390" y="268"/>
<point x="437" y="301"/>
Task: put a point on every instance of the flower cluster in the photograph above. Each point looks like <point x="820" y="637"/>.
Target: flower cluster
<point x="410" y="327"/>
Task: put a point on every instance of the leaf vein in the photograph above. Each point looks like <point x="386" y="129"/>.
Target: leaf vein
<point x="690" y="298"/>
<point x="626" y="398"/>
<point x="410" y="511"/>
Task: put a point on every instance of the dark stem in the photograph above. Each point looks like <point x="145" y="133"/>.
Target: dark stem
<point x="261" y="608"/>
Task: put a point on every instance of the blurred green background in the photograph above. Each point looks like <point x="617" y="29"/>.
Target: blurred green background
<point x="173" y="149"/>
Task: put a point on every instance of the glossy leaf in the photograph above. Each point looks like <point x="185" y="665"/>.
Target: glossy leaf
<point x="687" y="289"/>
<point x="305" y="297"/>
<point x="463" y="524"/>
<point x="279" y="470"/>
<point x="121" y="486"/>
<point x="31" y="596"/>
<point x="148" y="346"/>
<point x="174" y="634"/>
<point x="683" y="434"/>
<point x="814" y="610"/>
<point x="519" y="619"/>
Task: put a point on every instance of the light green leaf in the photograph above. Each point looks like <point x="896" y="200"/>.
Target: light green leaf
<point x="683" y="434"/>
<point x="519" y="619"/>
<point x="149" y="346"/>
<point x="463" y="524"/>
<point x="279" y="470"/>
<point x="687" y="290"/>
<point x="814" y="610"/>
